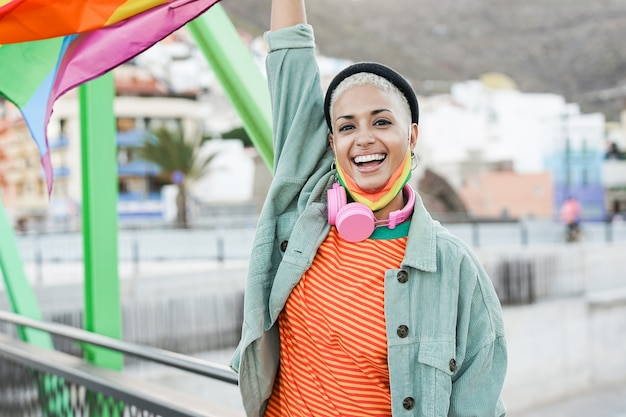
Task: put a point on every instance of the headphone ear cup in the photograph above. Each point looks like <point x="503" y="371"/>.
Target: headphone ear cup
<point x="337" y="199"/>
<point x="355" y="222"/>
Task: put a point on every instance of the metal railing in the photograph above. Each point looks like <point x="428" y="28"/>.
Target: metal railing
<point x="36" y="381"/>
<point x="141" y="245"/>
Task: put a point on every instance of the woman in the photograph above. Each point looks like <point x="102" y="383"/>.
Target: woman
<point x="357" y="302"/>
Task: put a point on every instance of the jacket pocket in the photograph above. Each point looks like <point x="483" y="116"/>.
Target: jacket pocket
<point x="437" y="363"/>
<point x="439" y="355"/>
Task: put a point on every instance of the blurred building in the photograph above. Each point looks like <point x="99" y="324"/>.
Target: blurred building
<point x="21" y="176"/>
<point x="577" y="163"/>
<point x="141" y="105"/>
<point x="508" y="195"/>
<point x="614" y="170"/>
<point x="170" y="86"/>
<point x="526" y="133"/>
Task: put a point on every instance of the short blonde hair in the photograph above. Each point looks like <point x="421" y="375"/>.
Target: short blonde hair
<point x="368" y="78"/>
<point x="380" y="70"/>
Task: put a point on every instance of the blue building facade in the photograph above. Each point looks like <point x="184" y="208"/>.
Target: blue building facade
<point x="578" y="173"/>
<point x="139" y="184"/>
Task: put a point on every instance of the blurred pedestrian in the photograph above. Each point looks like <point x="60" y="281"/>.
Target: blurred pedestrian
<point x="570" y="216"/>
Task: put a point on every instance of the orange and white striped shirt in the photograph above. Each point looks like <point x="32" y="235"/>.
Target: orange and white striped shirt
<point x="333" y="356"/>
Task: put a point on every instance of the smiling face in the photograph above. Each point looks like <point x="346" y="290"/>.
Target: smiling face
<point x="371" y="132"/>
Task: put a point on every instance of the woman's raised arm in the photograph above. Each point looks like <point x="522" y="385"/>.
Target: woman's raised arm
<point x="286" y="13"/>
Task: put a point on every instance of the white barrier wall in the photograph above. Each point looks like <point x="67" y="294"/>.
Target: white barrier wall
<point x="563" y="345"/>
<point x="561" y="270"/>
<point x="548" y="348"/>
<point x="560" y="348"/>
<point x="607" y="336"/>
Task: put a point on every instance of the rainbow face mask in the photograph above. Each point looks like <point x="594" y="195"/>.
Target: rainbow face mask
<point x="378" y="200"/>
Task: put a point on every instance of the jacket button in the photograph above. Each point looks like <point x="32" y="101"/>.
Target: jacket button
<point x="408" y="403"/>
<point x="403" y="277"/>
<point x="283" y="245"/>
<point x="403" y="331"/>
<point x="452" y="365"/>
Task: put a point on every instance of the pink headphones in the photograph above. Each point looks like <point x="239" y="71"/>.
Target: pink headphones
<point x="355" y="221"/>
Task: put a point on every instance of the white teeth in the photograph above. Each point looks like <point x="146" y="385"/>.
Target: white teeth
<point x="368" y="158"/>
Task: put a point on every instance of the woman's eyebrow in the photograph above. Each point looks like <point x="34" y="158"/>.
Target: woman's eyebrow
<point x="372" y="113"/>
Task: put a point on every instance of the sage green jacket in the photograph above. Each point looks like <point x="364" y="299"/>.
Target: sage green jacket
<point x="446" y="345"/>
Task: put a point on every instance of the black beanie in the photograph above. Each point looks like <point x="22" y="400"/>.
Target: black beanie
<point x="378" y="69"/>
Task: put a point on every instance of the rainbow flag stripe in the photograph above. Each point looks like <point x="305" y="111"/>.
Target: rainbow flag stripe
<point x="28" y="20"/>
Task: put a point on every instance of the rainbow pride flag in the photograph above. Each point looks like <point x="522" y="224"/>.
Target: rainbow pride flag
<point x="49" y="47"/>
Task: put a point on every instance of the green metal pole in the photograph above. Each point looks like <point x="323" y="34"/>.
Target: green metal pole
<point x="236" y="70"/>
<point x="99" y="173"/>
<point x="22" y="297"/>
<point x="23" y="301"/>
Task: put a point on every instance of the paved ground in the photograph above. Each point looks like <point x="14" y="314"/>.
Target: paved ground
<point x="607" y="402"/>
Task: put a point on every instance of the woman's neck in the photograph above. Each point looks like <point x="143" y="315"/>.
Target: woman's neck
<point x="397" y="203"/>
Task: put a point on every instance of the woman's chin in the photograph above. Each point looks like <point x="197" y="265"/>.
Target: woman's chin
<point x="371" y="187"/>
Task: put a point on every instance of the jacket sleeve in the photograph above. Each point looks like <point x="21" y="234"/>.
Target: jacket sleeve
<point x="301" y="157"/>
<point x="477" y="384"/>
<point x="300" y="131"/>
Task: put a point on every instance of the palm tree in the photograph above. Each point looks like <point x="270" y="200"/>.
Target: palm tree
<point x="179" y="162"/>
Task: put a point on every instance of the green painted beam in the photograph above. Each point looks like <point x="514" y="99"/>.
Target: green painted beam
<point x="22" y="298"/>
<point x="239" y="75"/>
<point x="102" y="313"/>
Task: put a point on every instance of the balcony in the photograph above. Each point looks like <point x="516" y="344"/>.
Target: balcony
<point x="59" y="142"/>
<point x="61" y="171"/>
<point x="138" y="168"/>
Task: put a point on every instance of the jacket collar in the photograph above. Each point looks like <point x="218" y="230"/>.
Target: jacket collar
<point x="421" y="248"/>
